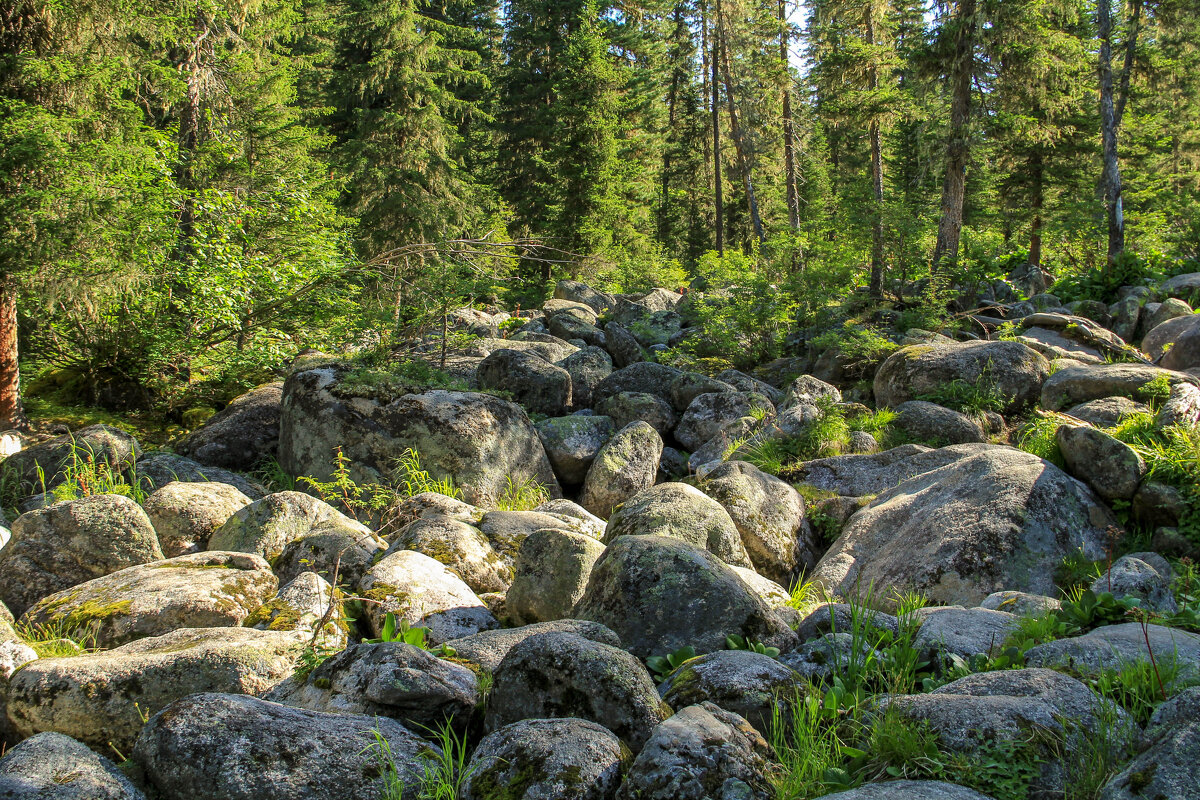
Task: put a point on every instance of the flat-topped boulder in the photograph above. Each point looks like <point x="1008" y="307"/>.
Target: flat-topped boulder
<point x="1012" y="369"/>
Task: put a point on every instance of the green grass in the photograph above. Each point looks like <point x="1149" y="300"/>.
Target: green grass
<point x="522" y="495"/>
<point x="414" y="480"/>
<point x="57" y="639"/>
<point x="1039" y="437"/>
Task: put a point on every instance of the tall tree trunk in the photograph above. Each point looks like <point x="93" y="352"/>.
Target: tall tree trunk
<point x="1108" y="134"/>
<point x="672" y="102"/>
<point x="716" y="132"/>
<point x="735" y="130"/>
<point x="954" y="189"/>
<point x="1036" y="203"/>
<point x="12" y="415"/>
<point x="789" y="129"/>
<point x="1135" y="24"/>
<point x="876" y="286"/>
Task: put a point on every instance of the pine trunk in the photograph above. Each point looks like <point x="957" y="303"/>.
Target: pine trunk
<point x="954" y="189"/>
<point x="12" y="415"/>
<point x="739" y="144"/>
<point x="716" y="132"/>
<point x="1108" y="135"/>
<point x="789" y="130"/>
<point x="1036" y="203"/>
<point x="876" y="286"/>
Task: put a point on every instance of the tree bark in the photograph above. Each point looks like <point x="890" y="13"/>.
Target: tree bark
<point x="1135" y="25"/>
<point x="789" y="130"/>
<point x="954" y="188"/>
<point x="735" y="130"/>
<point x="12" y="415"/>
<point x="1037" y="201"/>
<point x="1111" y="178"/>
<point x="875" y="289"/>
<point x="716" y="132"/>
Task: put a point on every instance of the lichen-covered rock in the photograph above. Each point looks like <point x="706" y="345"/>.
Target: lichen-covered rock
<point x="51" y="766"/>
<point x="643" y="376"/>
<point x="1021" y="603"/>
<point x="507" y="530"/>
<point x="432" y="504"/>
<point x="701" y="753"/>
<point x="751" y="685"/>
<point x="626" y="465"/>
<point x="577" y="292"/>
<point x="807" y="390"/>
<point x="461" y="547"/>
<point x="339" y="545"/>
<point x="157" y="470"/>
<point x="587" y="368"/>
<point x="572" y="327"/>
<point x="909" y="790"/>
<point x="1079" y="384"/>
<point x="14" y="654"/>
<point x="863" y="475"/>
<point x="1166" y="770"/>
<point x="929" y="422"/>
<point x="592" y="525"/>
<point x="572" y="443"/>
<point x="689" y="385"/>
<point x="267" y="526"/>
<point x="711" y="413"/>
<point x="552" y="571"/>
<point x="624" y="347"/>
<point x="487" y="649"/>
<point x="557" y="675"/>
<point x="1108" y="465"/>
<point x="1182" y="407"/>
<point x="999" y="519"/>
<point x="387" y="679"/>
<point x="185" y="515"/>
<point x="681" y="512"/>
<point x="627" y="408"/>
<point x="228" y="747"/>
<point x="769" y="516"/>
<point x="659" y="594"/>
<point x="423" y="592"/>
<point x="1181" y="342"/>
<point x="547" y="759"/>
<point x="101" y="699"/>
<point x="534" y="382"/>
<point x="1012" y="369"/>
<point x="1107" y="411"/>
<point x="243" y="434"/>
<point x="303" y="606"/>
<point x="478" y="440"/>
<point x="56" y="456"/>
<point x="963" y="632"/>
<point x="1136" y="576"/>
<point x="57" y="547"/>
<point x="200" y="590"/>
<point x="1115" y="646"/>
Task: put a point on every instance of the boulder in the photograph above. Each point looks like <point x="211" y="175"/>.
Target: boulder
<point x="864" y="475"/>
<point x="53" y="766"/>
<point x="626" y="408"/>
<point x="1158" y="313"/>
<point x="689" y="385"/>
<point x="56" y="457"/>
<point x="626" y="465"/>
<point x="929" y="422"/>
<point x="478" y="440"/>
<point x="227" y="747"/>
<point x="57" y="547"/>
<point x="909" y="790"/>
<point x="559" y="675"/>
<point x="808" y="390"/>
<point x="644" y="376"/>
<point x="709" y="414"/>
<point x="963" y="632"/>
<point x="547" y="759"/>
<point x="592" y="525"/>
<point x="200" y="590"/>
<point x="432" y="504"/>
<point x="185" y="515"/>
<point x="242" y="435"/>
<point x="1115" y="646"/>
<point x="587" y="369"/>
<point x="538" y="385"/>
<point x="337" y="551"/>
<point x="157" y="470"/>
<point x="1107" y="412"/>
<point x="681" y="512"/>
<point x="999" y="519"/>
<point x="769" y="516"/>
<point x="1135" y="577"/>
<point x="659" y="594"/>
<point x="1166" y="770"/>
<point x="701" y="753"/>
<point x="506" y="530"/>
<point x="102" y="699"/>
<point x="1108" y="465"/>
<point x="624" y="348"/>
<point x="267" y="526"/>
<point x="1021" y="603"/>
<point x="1175" y="344"/>
<point x="1011" y="368"/>
<point x="840" y="618"/>
<point x="542" y="344"/>
<point x="756" y="687"/>
<point x="576" y="292"/>
<point x="423" y="592"/>
<point x="487" y="649"/>
<point x="747" y="383"/>
<point x="1079" y="384"/>
<point x="552" y="572"/>
<point x="461" y="547"/>
<point x="571" y="444"/>
<point x="303" y="606"/>
<point x="387" y="679"/>
<point x="571" y="308"/>
<point x="1182" y="407"/>
<point x="1053" y="344"/>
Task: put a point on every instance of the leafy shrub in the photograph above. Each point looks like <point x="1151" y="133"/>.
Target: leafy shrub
<point x="662" y="666"/>
<point x="1104" y="281"/>
<point x="400" y="631"/>
<point x="858" y="345"/>
<point x="344" y="493"/>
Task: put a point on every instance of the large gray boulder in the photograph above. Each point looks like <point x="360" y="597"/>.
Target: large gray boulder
<point x="56" y="457"/>
<point x="62" y="545"/>
<point x="557" y="675"/>
<point x="243" y="434"/>
<point x="681" y="512"/>
<point x="710" y="414"/>
<point x="1108" y="465"/>
<point x="1107" y="411"/>
<point x="552" y="572"/>
<point x="587" y="368"/>
<point x="1175" y="343"/>
<point x="461" y="547"/>
<point x="267" y="526"/>
<point x="478" y="440"/>
<point x="535" y="383"/>
<point x="644" y="376"/>
<point x="1115" y="646"/>
<point x="578" y="292"/>
<point x="201" y="590"/>
<point x="185" y="515"/>
<point x="573" y="442"/>
<point x="308" y="606"/>
<point x="963" y="632"/>
<point x="909" y="790"/>
<point x="339" y="550"/>
<point x="624" y="347"/>
<point x="659" y="594"/>
<point x="1166" y="770"/>
<point x="863" y="475"/>
<point x="1079" y="384"/>
<point x="547" y="759"/>
<point x="51" y="766"/>
<point x="689" y="385"/>
<point x="626" y="465"/>
<point x="626" y="408"/>
<point x="701" y="753"/>
<point x="157" y="470"/>
<point x="1013" y="369"/>
<point x="487" y="649"/>
<point x="751" y="685"/>
<point x="101" y="699"/>
<point x="769" y="516"/>
<point x="929" y="422"/>
<point x="999" y="519"/>
<point x="227" y="747"/>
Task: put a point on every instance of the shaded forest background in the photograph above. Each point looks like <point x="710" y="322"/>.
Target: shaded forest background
<point x="192" y="191"/>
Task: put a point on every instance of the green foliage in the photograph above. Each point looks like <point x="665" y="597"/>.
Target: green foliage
<point x="84" y="475"/>
<point x="1138" y="687"/>
<point x="401" y="631"/>
<point x="736" y="642"/>
<point x="521" y="495"/>
<point x="858" y="345"/>
<point x="57" y="639"/>
<point x="1156" y="391"/>
<point x="360" y="502"/>
<point x="415" y="480"/>
<point x="1102" y="282"/>
<point x="970" y="397"/>
<point x="661" y="667"/>
<point x="1039" y="437"/>
<point x="1087" y="610"/>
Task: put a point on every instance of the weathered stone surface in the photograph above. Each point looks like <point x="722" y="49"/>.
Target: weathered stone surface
<point x="227" y="747"/>
<point x="55" y="456"/>
<point x="541" y="344"/>
<point x="701" y="753"/>
<point x="644" y="376"/>
<point x="506" y="530"/>
<point x="1053" y="344"/>
<point x="185" y="515"/>
<point x="999" y="519"/>
<point x="572" y="327"/>
<point x="1108" y="411"/>
<point x="1182" y="407"/>
<point x="592" y="525"/>
<point x="577" y="292"/>
<point x="329" y="547"/>
<point x="689" y="385"/>
<point x="862" y="475"/>
<point x="839" y="618"/>
<point x="624" y="348"/>
<point x="572" y="443"/>
<point x="552" y="572"/>
<point x="432" y="504"/>
<point x="532" y="381"/>
<point x="479" y="440"/>
<point x="626" y="408"/>
<point x="1145" y="577"/>
<point x="1114" y="646"/>
<point x="709" y="414"/>
<point x="387" y="679"/>
<point x="1175" y="343"/>
<point x="57" y="547"/>
<point x="302" y="606"/>
<point x="659" y="594"/>
<point x="1108" y="465"/>
<point x="241" y="435"/>
<point x="488" y="648"/>
<point x="267" y="526"/>
<point x="556" y="675"/>
<point x="547" y="759"/>
<point x="100" y="699"/>
<point x="423" y="592"/>
<point x="1021" y="603"/>
<point x="200" y="590"/>
<point x="751" y="685"/>
<point x="681" y="512"/>
<point x="625" y="466"/>
<point x="807" y="390"/>
<point x="1167" y="768"/>
<point x="1013" y="369"/>
<point x="587" y="368"/>
<point x="157" y="470"/>
<point x="461" y="547"/>
<point x="769" y="516"/>
<point x="1079" y="384"/>
<point x="909" y="790"/>
<point x="930" y="422"/>
<point x="747" y="383"/>
<point x="964" y="632"/>
<point x="51" y="766"/>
